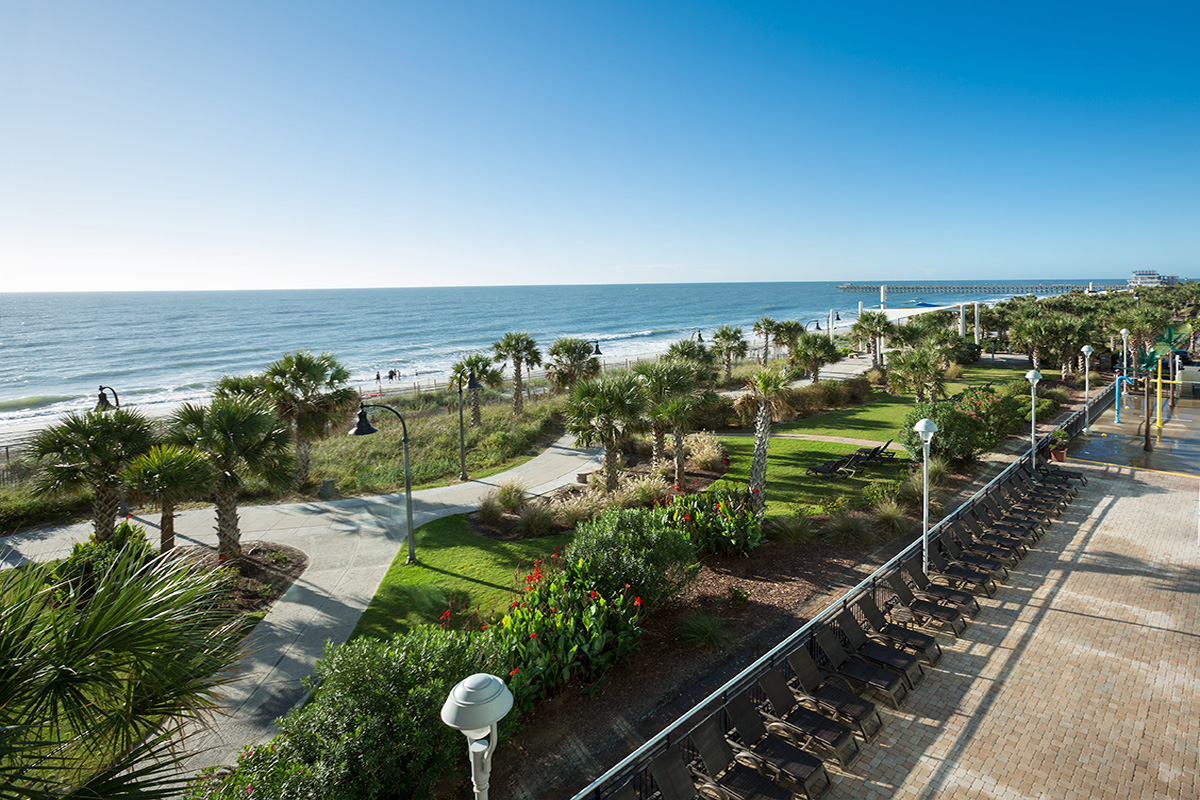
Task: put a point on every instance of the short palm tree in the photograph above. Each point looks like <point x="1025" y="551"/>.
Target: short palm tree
<point x="679" y="412"/>
<point x="766" y="386"/>
<point x="88" y="451"/>
<point x="310" y="394"/>
<point x="664" y="382"/>
<point x="729" y="344"/>
<point x="874" y="326"/>
<point x="239" y="385"/>
<point x="765" y="327"/>
<point x="486" y="374"/>
<point x="702" y="360"/>
<point x="170" y="474"/>
<point x="93" y="690"/>
<point x="812" y="352"/>
<point x="521" y="350"/>
<point x="571" y="361"/>
<point x="602" y="411"/>
<point x="241" y="437"/>
<point x="787" y="334"/>
<point x="920" y="371"/>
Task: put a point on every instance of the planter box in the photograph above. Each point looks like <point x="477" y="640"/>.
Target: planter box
<point x="1058" y="455"/>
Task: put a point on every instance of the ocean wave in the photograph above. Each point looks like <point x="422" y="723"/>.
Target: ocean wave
<point x="32" y="403"/>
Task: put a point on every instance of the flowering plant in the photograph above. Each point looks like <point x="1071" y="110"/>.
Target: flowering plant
<point x="721" y="520"/>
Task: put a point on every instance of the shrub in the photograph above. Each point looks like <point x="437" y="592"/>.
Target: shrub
<point x="889" y="519"/>
<point x="960" y="436"/>
<point x="1057" y="395"/>
<point x="536" y="519"/>
<point x="845" y="526"/>
<point x="510" y="495"/>
<point x="997" y="413"/>
<point x="877" y="491"/>
<point x="912" y="492"/>
<point x="857" y="390"/>
<point x="938" y="470"/>
<point x="715" y="411"/>
<point x="721" y="520"/>
<point x="706" y="452"/>
<point x="953" y="372"/>
<point x="640" y="492"/>
<point x="704" y="630"/>
<point x="791" y="529"/>
<point x="876" y="376"/>
<point x="571" y="511"/>
<point x="91" y="559"/>
<point x="490" y="510"/>
<point x="635" y="548"/>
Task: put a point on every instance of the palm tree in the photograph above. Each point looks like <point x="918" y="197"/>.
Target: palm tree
<point x="678" y="412"/>
<point x="874" y="326"/>
<point x="766" y="386"/>
<point x="728" y="344"/>
<point x="787" y="333"/>
<point x="603" y="410"/>
<point x="702" y="360"/>
<point x="812" y="352"/>
<point x="88" y="451"/>
<point x="108" y="679"/>
<point x="765" y="327"/>
<point x="520" y="349"/>
<point x="1030" y="332"/>
<point x="310" y="394"/>
<point x="486" y="374"/>
<point x="239" y="385"/>
<point x="664" y="382"/>
<point x="170" y="474"/>
<point x="241" y="437"/>
<point x="920" y="371"/>
<point x="571" y="360"/>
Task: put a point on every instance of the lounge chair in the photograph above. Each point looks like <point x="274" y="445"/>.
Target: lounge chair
<point x="804" y="727"/>
<point x="924" y="588"/>
<point x="793" y="767"/>
<point x="863" y="674"/>
<point x="925" y="613"/>
<point x="959" y="575"/>
<point x="1019" y="539"/>
<point x="893" y="658"/>
<point x="958" y="555"/>
<point x="1011" y="521"/>
<point x="1056" y="472"/>
<point x="1006" y="553"/>
<point x="922" y="644"/>
<point x="823" y="692"/>
<point x="739" y="779"/>
<point x="673" y="779"/>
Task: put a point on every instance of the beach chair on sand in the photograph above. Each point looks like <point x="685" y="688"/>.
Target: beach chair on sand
<point x="804" y="727"/>
<point x="896" y="659"/>
<point x="792" y="766"/>
<point x="921" y="612"/>
<point x="922" y="644"/>
<point x="823" y="692"/>
<point x="862" y="673"/>
<point x="924" y="588"/>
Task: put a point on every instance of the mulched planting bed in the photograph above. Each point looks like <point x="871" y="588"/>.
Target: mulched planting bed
<point x="265" y="572"/>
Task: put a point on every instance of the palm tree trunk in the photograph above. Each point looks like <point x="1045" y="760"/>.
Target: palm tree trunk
<point x="166" y="527"/>
<point x="680" y="472"/>
<point x="758" y="465"/>
<point x="105" y="501"/>
<point x="229" y="545"/>
<point x="729" y="367"/>
<point x="660" y="442"/>
<point x="1147" y="445"/>
<point x="518" y="400"/>
<point x="476" y="412"/>
<point x="612" y="457"/>
<point x="303" y="459"/>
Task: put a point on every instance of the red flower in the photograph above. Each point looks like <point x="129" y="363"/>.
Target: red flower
<point x="637" y="601"/>
<point x="754" y="491"/>
<point x="595" y="594"/>
<point x="514" y="605"/>
<point x="514" y="672"/>
<point x="533" y="635"/>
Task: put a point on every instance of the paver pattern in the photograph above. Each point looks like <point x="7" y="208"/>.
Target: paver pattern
<point x="1080" y="679"/>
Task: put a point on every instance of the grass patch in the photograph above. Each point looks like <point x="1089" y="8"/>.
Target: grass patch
<point x="455" y="566"/>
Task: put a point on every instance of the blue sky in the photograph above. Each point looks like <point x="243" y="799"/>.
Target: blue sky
<point x="177" y="145"/>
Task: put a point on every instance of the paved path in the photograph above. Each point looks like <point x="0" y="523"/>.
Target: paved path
<point x="350" y="545"/>
<point x="1080" y="679"/>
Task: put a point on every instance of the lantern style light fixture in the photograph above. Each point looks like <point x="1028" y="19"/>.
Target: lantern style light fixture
<point x="475" y="705"/>
<point x="365" y="428"/>
<point x="925" y="428"/>
<point x="102" y="403"/>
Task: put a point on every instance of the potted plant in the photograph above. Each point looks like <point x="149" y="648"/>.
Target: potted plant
<point x="1058" y="445"/>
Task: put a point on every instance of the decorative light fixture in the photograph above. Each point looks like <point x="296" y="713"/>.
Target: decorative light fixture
<point x="365" y="428"/>
<point x="596" y="352"/>
<point x="474" y="707"/>
<point x="1033" y="376"/>
<point x="102" y="403"/>
<point x="925" y="428"/>
<point x="1125" y="351"/>
<point x="1087" y="351"/>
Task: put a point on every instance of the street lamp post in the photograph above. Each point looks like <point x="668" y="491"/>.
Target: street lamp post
<point x="926" y="428"/>
<point x="699" y="337"/>
<point x="474" y="707"/>
<point x="1125" y="351"/>
<point x="462" y="435"/>
<point x="365" y="428"/>
<point x="102" y="403"/>
<point x="1087" y="351"/>
<point x="1033" y="376"/>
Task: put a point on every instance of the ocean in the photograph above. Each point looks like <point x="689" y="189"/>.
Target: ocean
<point x="159" y="349"/>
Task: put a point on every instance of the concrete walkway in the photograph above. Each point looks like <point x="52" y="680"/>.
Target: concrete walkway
<point x="350" y="544"/>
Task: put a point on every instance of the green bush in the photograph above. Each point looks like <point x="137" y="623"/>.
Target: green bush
<point x="715" y="412"/>
<point x="960" y="437"/>
<point x="889" y="519"/>
<point x="536" y="519"/>
<point x="510" y="495"/>
<point x="791" y="530"/>
<point x="20" y="506"/>
<point x="845" y="526"/>
<point x="490" y="510"/>
<point x="997" y="413"/>
<point x="91" y="559"/>
<point x="635" y="548"/>
<point x="721" y="520"/>
<point x="703" y="630"/>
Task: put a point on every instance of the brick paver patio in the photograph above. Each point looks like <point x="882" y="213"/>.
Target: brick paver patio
<point x="1080" y="679"/>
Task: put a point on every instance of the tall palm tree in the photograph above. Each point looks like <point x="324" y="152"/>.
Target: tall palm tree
<point x="521" y="350"/>
<point x="108" y="679"/>
<point x="664" y="381"/>
<point x="729" y="344"/>
<point x="920" y="371"/>
<point x="88" y="451"/>
<point x="1030" y="332"/>
<point x="874" y="326"/>
<point x="766" y="386"/>
<point x="788" y="333"/>
<point x="679" y="412"/>
<point x="241" y="437"/>
<point x="486" y="374"/>
<point x="603" y="410"/>
<point x="812" y="352"/>
<point x="170" y="474"/>
<point x="702" y="360"/>
<point x="310" y="394"/>
<point x="571" y="361"/>
<point x="765" y="327"/>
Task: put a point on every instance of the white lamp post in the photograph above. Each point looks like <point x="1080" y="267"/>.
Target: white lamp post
<point x="1087" y="351"/>
<point x="1033" y="376"/>
<point x="926" y="428"/>
<point x="1125" y="351"/>
<point x="474" y="707"/>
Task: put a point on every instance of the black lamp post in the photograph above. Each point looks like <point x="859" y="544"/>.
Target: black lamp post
<point x="102" y="403"/>
<point x="462" y="436"/>
<point x="699" y="338"/>
<point x="816" y="322"/>
<point x="596" y="352"/>
<point x="365" y="428"/>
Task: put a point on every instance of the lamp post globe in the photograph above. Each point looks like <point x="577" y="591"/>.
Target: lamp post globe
<point x="1033" y="376"/>
<point x="925" y="428"/>
<point x="1125" y="351"/>
<point x="474" y="707"/>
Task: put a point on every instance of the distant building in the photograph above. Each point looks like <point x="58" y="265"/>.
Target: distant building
<point x="1148" y="277"/>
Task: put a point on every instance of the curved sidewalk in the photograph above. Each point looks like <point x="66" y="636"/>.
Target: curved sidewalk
<point x="350" y="544"/>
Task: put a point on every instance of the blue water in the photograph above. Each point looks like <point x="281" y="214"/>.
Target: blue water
<point x="158" y="349"/>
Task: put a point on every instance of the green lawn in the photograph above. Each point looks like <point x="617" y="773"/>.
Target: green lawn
<point x="454" y="564"/>
<point x="788" y="483"/>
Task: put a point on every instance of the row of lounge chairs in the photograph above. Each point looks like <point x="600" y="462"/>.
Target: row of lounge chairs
<point x="771" y="740"/>
<point x="850" y="465"/>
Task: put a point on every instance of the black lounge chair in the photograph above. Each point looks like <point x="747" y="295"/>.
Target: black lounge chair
<point x="994" y="567"/>
<point x="804" y="727"/>
<point x="862" y="673"/>
<point x="924" y="588"/>
<point x="922" y="644"/>
<point x="793" y="767"/>
<point x="996" y="519"/>
<point x="960" y="575"/>
<point x="1047" y="480"/>
<point x="1016" y="538"/>
<point x="924" y="613"/>
<point x="893" y="658"/>
<point x="1006" y="553"/>
<point x="1055" y="472"/>
<point x="739" y="779"/>
<point x="822" y="693"/>
<point x="671" y="776"/>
